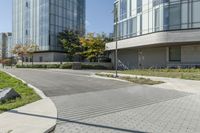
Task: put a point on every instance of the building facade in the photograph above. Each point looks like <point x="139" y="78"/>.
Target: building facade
<point x="39" y="22"/>
<point x="157" y="33"/>
<point x="10" y="46"/>
<point x="5" y="45"/>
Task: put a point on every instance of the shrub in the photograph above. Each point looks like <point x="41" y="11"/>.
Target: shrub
<point x="37" y="66"/>
<point x="42" y="66"/>
<point x="84" y="66"/>
<point x="18" y="66"/>
<point x="61" y="66"/>
<point x="53" y="66"/>
<point x="66" y="66"/>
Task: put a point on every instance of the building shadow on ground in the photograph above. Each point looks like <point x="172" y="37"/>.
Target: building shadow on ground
<point x="78" y="122"/>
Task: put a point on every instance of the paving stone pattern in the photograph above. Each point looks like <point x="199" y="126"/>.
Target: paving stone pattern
<point x="180" y="115"/>
<point x="91" y="105"/>
<point x="87" y="105"/>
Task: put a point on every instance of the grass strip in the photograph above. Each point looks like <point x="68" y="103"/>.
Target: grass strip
<point x="190" y="74"/>
<point x="28" y="95"/>
<point x="136" y="80"/>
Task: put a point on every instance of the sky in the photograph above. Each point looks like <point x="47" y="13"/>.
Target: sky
<point x="99" y="16"/>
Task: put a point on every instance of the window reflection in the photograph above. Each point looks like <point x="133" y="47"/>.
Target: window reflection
<point x="138" y="17"/>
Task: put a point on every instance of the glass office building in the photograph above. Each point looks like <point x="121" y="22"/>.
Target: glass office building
<point x="2" y="45"/>
<point x="139" y="17"/>
<point x="5" y="45"/>
<point x="40" y="21"/>
<point x="10" y="46"/>
<point x="156" y="33"/>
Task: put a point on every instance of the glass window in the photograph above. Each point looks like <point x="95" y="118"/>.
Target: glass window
<point x="125" y="29"/>
<point x="41" y="59"/>
<point x="158" y="2"/>
<point x="196" y="14"/>
<point x="130" y="6"/>
<point x="175" y="54"/>
<point x="157" y="19"/>
<point x="26" y="32"/>
<point x="175" y="16"/>
<point x="166" y="18"/>
<point x="26" y="4"/>
<point x="121" y="30"/>
<point x="133" y="26"/>
<point x="116" y="12"/>
<point x="141" y="24"/>
<point x="184" y="14"/>
<point x="26" y="59"/>
<point x="139" y="6"/>
<point x="123" y="9"/>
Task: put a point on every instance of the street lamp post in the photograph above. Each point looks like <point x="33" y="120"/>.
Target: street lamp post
<point x="116" y="54"/>
<point x="116" y="38"/>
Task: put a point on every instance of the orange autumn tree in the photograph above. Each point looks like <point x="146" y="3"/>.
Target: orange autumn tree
<point x="20" y="50"/>
<point x="93" y="46"/>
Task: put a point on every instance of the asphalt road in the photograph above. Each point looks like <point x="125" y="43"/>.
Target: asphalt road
<point x="58" y="83"/>
<point x="79" y="96"/>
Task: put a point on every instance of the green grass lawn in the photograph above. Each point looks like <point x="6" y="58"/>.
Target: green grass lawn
<point x="27" y="94"/>
<point x="192" y="74"/>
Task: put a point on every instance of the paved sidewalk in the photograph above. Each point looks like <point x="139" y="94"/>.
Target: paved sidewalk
<point x="88" y="104"/>
<point x="180" y="115"/>
<point x="190" y="86"/>
<point x="177" y="115"/>
<point x="37" y="117"/>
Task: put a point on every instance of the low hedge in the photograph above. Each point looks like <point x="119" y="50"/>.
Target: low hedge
<point x="84" y="66"/>
<point x="61" y="66"/>
<point x="44" y="66"/>
<point x="53" y="66"/>
<point x="66" y="66"/>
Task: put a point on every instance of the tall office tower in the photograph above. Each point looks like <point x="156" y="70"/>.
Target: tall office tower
<point x="5" y="45"/>
<point x="39" y="22"/>
<point x="157" y="33"/>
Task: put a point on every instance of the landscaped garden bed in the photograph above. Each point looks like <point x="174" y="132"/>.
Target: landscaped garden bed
<point x="65" y="66"/>
<point x="190" y="74"/>
<point x="27" y="94"/>
<point x="137" y="80"/>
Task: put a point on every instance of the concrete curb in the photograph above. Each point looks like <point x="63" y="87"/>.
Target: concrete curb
<point x="52" y="116"/>
<point x="134" y="76"/>
<point x="101" y="77"/>
<point x="123" y="75"/>
<point x="189" y="86"/>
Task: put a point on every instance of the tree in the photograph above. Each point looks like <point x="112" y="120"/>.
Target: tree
<point x="93" y="46"/>
<point x="31" y="49"/>
<point x="20" y="50"/>
<point x="70" y="42"/>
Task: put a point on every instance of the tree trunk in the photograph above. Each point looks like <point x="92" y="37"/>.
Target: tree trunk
<point x="32" y="61"/>
<point x="11" y="62"/>
<point x="22" y="60"/>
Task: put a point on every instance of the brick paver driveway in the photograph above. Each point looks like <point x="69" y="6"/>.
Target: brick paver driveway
<point x="92" y="105"/>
